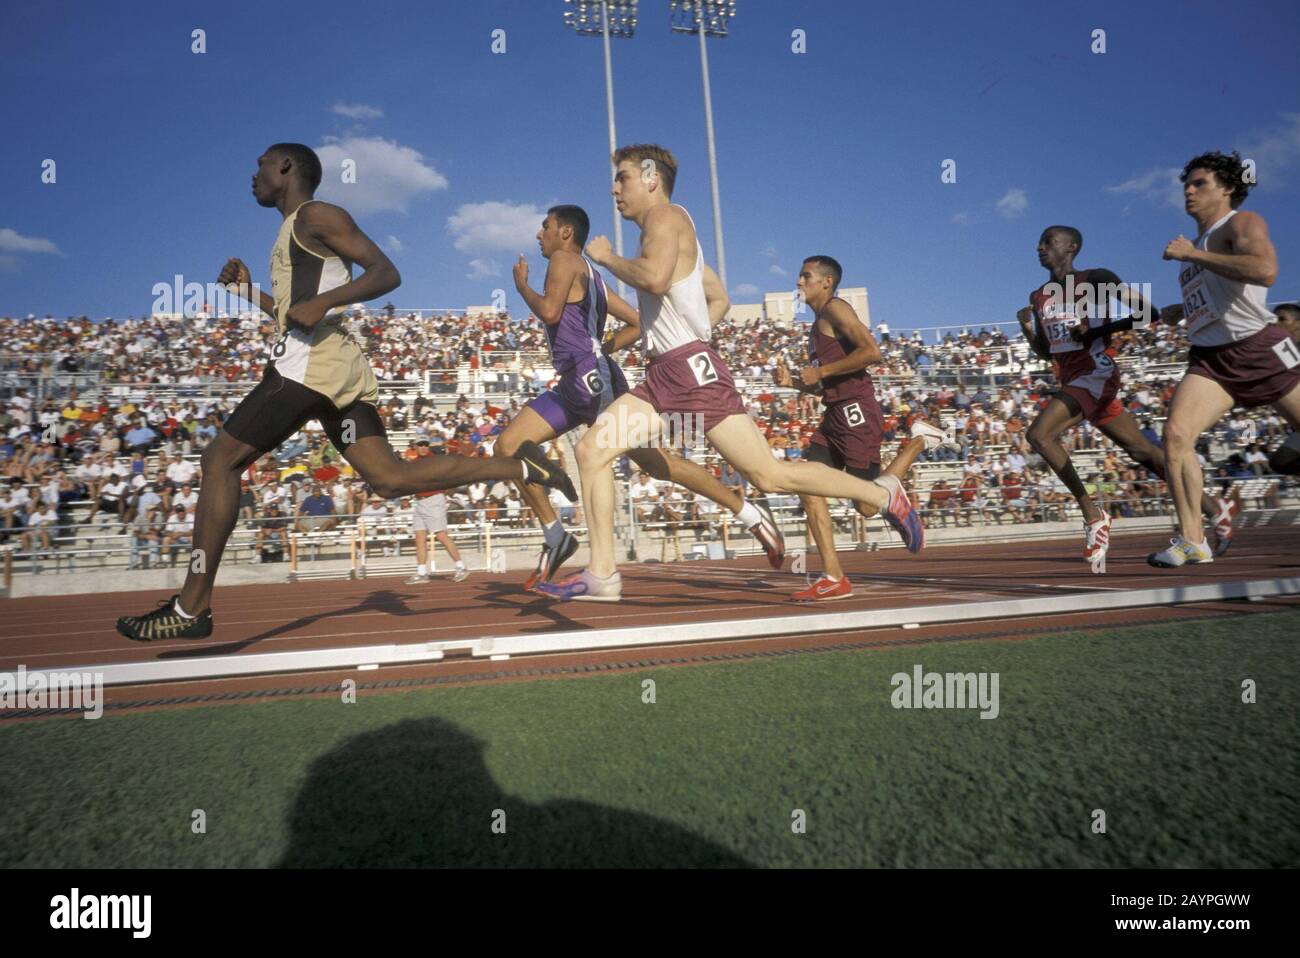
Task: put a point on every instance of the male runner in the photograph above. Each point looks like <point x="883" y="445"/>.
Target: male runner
<point x="316" y="371"/>
<point x="1240" y="355"/>
<point x="1071" y="327"/>
<point x="679" y="300"/>
<point x="1285" y="459"/>
<point x="573" y="306"/>
<point x="852" y="427"/>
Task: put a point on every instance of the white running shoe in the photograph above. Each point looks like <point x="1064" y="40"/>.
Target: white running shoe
<point x="1096" y="540"/>
<point x="1181" y="552"/>
<point x="933" y="437"/>
<point x="460" y="575"/>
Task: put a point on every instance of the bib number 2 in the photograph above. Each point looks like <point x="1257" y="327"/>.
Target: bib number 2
<point x="702" y="366"/>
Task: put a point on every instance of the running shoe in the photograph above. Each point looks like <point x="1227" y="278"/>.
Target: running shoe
<point x="823" y="590"/>
<point x="549" y="562"/>
<point x="460" y="575"/>
<point x="900" y="514"/>
<point x="934" y="437"/>
<point x="543" y="471"/>
<point x="584" y="587"/>
<point x="1096" y="540"/>
<point x="1225" y="523"/>
<point x="768" y="534"/>
<point x="1181" y="552"/>
<point x="165" y="622"/>
<point x="418" y="579"/>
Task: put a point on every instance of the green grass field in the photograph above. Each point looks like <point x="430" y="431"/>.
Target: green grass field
<point x="1146" y="724"/>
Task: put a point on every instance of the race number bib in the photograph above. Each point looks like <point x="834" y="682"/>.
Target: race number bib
<point x="280" y="347"/>
<point x="1198" y="311"/>
<point x="853" y="415"/>
<point x="702" y="367"/>
<point x="595" y="385"/>
<point x="1057" y="322"/>
<point x="1287" y="352"/>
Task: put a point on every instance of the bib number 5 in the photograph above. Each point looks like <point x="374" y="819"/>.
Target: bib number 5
<point x="702" y="367"/>
<point x="853" y="415"/>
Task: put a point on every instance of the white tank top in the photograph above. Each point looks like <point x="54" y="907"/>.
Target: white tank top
<point x="679" y="317"/>
<point x="1218" y="310"/>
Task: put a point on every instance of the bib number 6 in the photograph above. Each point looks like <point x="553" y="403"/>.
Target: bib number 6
<point x="702" y="366"/>
<point x="853" y="415"/>
<point x="595" y="385"/>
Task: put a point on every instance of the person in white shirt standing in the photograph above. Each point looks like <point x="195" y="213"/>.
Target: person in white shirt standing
<point x="1239" y="354"/>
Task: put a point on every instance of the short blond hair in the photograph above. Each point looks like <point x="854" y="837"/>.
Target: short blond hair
<point x="664" y="161"/>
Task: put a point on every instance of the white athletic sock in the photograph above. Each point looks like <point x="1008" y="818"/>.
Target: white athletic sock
<point x="554" y="533"/>
<point x="422" y="569"/>
<point x="749" y="515"/>
<point x="460" y="564"/>
<point x="179" y="611"/>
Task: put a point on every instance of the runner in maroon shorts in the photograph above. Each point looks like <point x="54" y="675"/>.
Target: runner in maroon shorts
<point x="1070" y="326"/>
<point x="852" y="428"/>
<point x="1240" y="355"/>
<point x="679" y="299"/>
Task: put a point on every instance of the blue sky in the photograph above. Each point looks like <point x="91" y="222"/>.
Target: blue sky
<point x="836" y="150"/>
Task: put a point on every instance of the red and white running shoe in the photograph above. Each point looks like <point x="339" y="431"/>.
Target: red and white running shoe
<point x="1225" y="523"/>
<point x="1096" y="540"/>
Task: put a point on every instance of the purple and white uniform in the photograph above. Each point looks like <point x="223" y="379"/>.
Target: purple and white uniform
<point x="589" y="381"/>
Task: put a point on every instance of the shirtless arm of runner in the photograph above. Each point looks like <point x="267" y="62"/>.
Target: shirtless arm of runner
<point x="236" y="277"/>
<point x="652" y="271"/>
<point x="1252" y="258"/>
<point x="329" y="226"/>
<point x="716" y="296"/>
<point x="846" y="324"/>
<point x="623" y="311"/>
<point x="560" y="274"/>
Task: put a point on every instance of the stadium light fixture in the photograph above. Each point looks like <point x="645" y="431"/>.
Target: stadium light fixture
<point x="707" y="18"/>
<point x="605" y="19"/>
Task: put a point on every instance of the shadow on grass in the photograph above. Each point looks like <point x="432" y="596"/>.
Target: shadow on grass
<point x="418" y="794"/>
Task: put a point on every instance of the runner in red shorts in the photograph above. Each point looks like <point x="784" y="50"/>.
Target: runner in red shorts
<point x="1070" y="326"/>
<point x="852" y="428"/>
<point x="1240" y="355"/>
<point x="687" y="385"/>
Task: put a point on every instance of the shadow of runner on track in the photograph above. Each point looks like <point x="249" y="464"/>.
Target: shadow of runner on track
<point x="384" y="600"/>
<point x="418" y="794"/>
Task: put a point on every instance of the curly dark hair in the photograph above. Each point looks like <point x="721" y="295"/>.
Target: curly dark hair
<point x="1229" y="170"/>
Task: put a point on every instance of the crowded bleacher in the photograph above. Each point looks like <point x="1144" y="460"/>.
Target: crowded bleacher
<point x="103" y="424"/>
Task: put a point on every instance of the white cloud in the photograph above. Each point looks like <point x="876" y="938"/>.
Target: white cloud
<point x="1158" y="185"/>
<point x="12" y="242"/>
<point x="1273" y="150"/>
<point x="963" y="218"/>
<point x="777" y="270"/>
<point x="745" y="289"/>
<point x="388" y="175"/>
<point x="1013" y="204"/>
<point x="770" y="251"/>
<point x="357" y="111"/>
<point x="494" y="225"/>
<point x="393" y="244"/>
<point x="483" y="268"/>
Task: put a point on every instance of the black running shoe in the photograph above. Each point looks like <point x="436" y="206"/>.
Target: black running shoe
<point x="165" y="623"/>
<point x="550" y="561"/>
<point x="543" y="471"/>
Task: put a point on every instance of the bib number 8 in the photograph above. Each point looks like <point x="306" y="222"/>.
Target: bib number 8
<point x="595" y="385"/>
<point x="702" y="367"/>
<point x="853" y="415"/>
<point x="1287" y="352"/>
<point x="281" y="346"/>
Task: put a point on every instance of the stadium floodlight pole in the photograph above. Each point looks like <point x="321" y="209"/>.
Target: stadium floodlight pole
<point x="582" y="16"/>
<point x="707" y="18"/>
